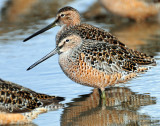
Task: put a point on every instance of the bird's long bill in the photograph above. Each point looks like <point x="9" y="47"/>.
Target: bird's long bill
<point x="55" y="51"/>
<point x="42" y="30"/>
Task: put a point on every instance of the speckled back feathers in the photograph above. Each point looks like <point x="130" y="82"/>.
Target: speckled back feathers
<point x="15" y="98"/>
<point x="100" y="63"/>
<point x="89" y="33"/>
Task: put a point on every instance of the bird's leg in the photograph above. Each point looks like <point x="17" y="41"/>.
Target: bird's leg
<point x="102" y="96"/>
<point x="102" y="93"/>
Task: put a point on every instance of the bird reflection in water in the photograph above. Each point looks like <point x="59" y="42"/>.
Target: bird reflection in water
<point x="20" y="105"/>
<point x="121" y="108"/>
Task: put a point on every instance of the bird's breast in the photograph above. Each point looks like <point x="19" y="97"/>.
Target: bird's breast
<point x="78" y="70"/>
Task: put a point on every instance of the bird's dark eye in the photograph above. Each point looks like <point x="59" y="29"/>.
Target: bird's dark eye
<point x="67" y="40"/>
<point x="62" y="15"/>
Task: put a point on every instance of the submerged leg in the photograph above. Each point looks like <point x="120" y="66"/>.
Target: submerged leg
<point x="102" y="97"/>
<point x="102" y="93"/>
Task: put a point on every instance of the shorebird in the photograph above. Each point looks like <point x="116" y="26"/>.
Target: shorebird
<point x="69" y="19"/>
<point x="96" y="63"/>
<point x="138" y="10"/>
<point x="19" y="105"/>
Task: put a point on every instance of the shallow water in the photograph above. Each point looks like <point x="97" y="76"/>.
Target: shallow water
<point x="136" y="102"/>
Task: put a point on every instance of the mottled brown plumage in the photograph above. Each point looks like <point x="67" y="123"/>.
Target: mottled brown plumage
<point x="90" y="55"/>
<point x="92" y="33"/>
<point x="69" y="19"/>
<point x="15" y="98"/>
<point x="96" y="63"/>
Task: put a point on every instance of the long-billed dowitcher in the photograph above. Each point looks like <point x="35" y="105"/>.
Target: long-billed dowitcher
<point x="138" y="10"/>
<point x="69" y="19"/>
<point x="95" y="63"/>
<point x="15" y="98"/>
<point x="20" y="105"/>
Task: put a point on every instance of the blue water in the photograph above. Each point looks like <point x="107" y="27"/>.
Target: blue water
<point x="48" y="77"/>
